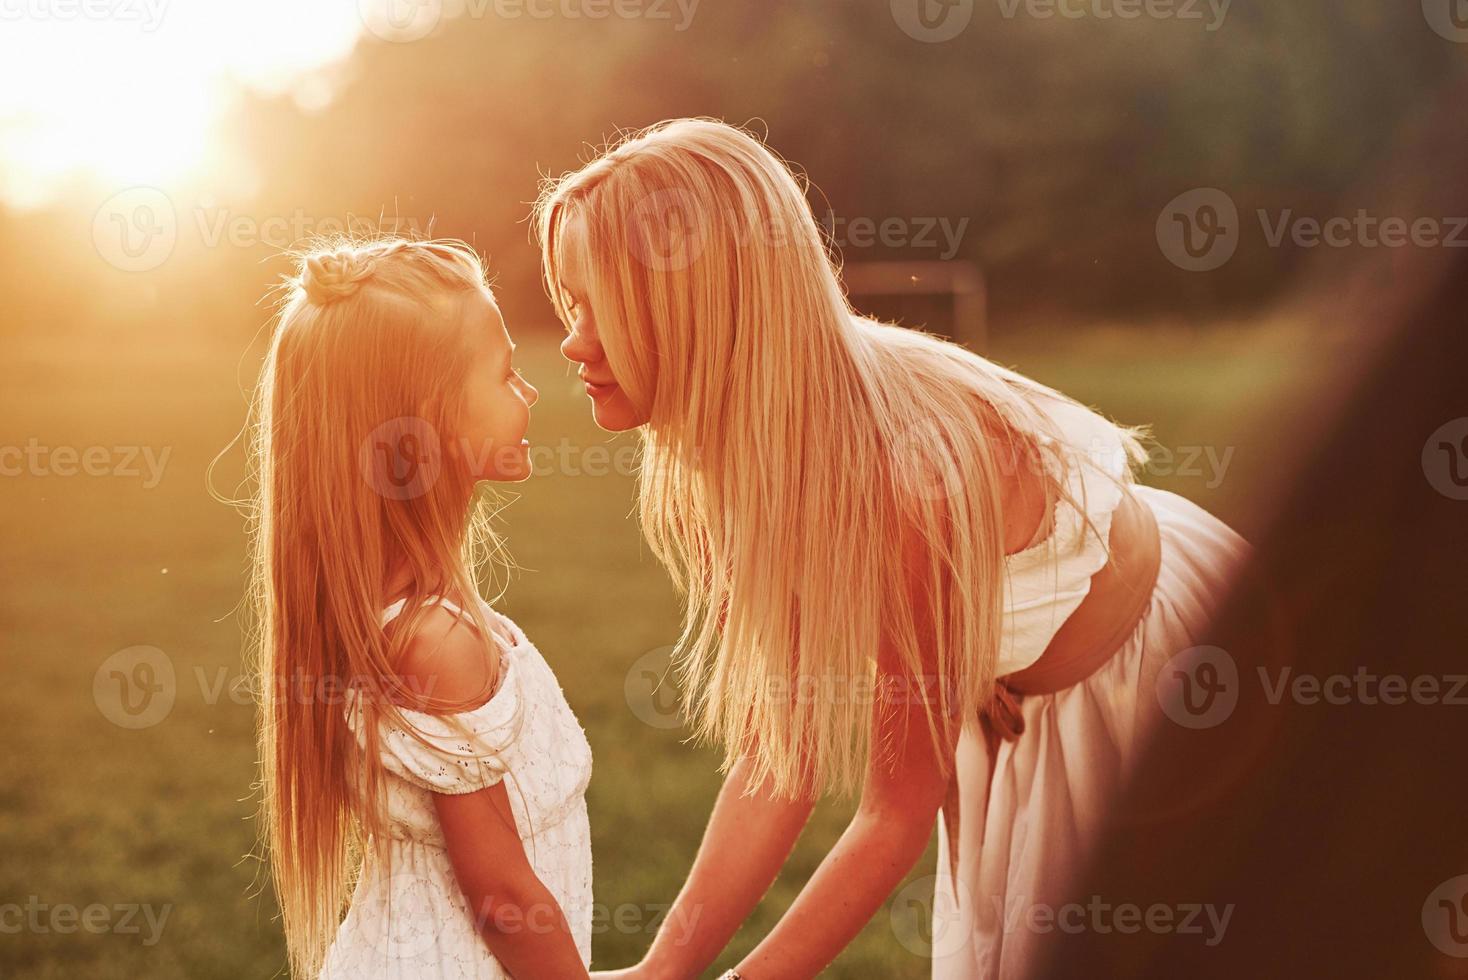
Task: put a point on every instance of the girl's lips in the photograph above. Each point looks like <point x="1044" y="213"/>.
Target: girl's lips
<point x="598" y="391"/>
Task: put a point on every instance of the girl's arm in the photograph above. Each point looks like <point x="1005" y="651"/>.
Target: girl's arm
<point x="521" y="921"/>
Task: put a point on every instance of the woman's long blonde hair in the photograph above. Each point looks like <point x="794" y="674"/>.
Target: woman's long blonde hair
<point x="356" y="403"/>
<point x="792" y="449"/>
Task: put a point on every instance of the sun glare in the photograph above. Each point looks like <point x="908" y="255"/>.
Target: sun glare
<point x="128" y="92"/>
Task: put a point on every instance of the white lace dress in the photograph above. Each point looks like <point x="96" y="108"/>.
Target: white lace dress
<point x="408" y="918"/>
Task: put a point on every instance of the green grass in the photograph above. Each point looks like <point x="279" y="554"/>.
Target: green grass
<point x="95" y="813"/>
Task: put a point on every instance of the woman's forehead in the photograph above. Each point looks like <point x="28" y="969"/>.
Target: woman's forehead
<point x="571" y="251"/>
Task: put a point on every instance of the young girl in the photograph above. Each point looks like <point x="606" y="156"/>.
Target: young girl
<point x="417" y="750"/>
<point x="886" y="541"/>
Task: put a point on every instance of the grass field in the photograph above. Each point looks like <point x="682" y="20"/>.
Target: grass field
<point x="160" y="817"/>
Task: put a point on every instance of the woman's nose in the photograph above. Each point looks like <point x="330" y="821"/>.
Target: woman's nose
<point x="581" y="347"/>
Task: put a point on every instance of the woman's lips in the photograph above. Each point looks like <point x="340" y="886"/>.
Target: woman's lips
<point x="598" y="391"/>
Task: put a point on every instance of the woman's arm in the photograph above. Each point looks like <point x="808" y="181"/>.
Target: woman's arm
<point x="747" y="841"/>
<point x="885" y="838"/>
<point x="906" y="782"/>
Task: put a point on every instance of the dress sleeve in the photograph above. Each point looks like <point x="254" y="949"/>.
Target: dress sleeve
<point x="457" y="753"/>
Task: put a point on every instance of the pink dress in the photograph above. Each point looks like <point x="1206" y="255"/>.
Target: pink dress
<point x="1028" y="814"/>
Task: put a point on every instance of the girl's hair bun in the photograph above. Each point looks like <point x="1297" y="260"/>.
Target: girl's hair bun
<point x="330" y="276"/>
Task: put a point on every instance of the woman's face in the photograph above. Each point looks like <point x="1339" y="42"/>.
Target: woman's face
<point x="610" y="406"/>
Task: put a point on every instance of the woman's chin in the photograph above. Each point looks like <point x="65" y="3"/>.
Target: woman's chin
<point x="615" y="414"/>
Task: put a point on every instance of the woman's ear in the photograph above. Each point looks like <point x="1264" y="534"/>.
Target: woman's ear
<point x="447" y="443"/>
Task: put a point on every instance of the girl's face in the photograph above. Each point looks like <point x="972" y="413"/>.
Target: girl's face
<point x="610" y="406"/>
<point x="496" y="407"/>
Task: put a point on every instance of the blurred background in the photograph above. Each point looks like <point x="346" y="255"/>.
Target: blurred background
<point x="1190" y="214"/>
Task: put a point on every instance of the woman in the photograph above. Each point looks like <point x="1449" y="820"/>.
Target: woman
<point x="885" y="542"/>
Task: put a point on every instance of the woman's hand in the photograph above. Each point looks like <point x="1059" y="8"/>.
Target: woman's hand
<point x="749" y="836"/>
<point x="641" y="971"/>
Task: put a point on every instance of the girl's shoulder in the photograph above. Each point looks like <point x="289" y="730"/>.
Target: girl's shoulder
<point x="448" y="662"/>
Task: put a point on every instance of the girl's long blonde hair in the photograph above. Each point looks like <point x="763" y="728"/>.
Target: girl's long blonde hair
<point x="356" y="402"/>
<point x="792" y="449"/>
